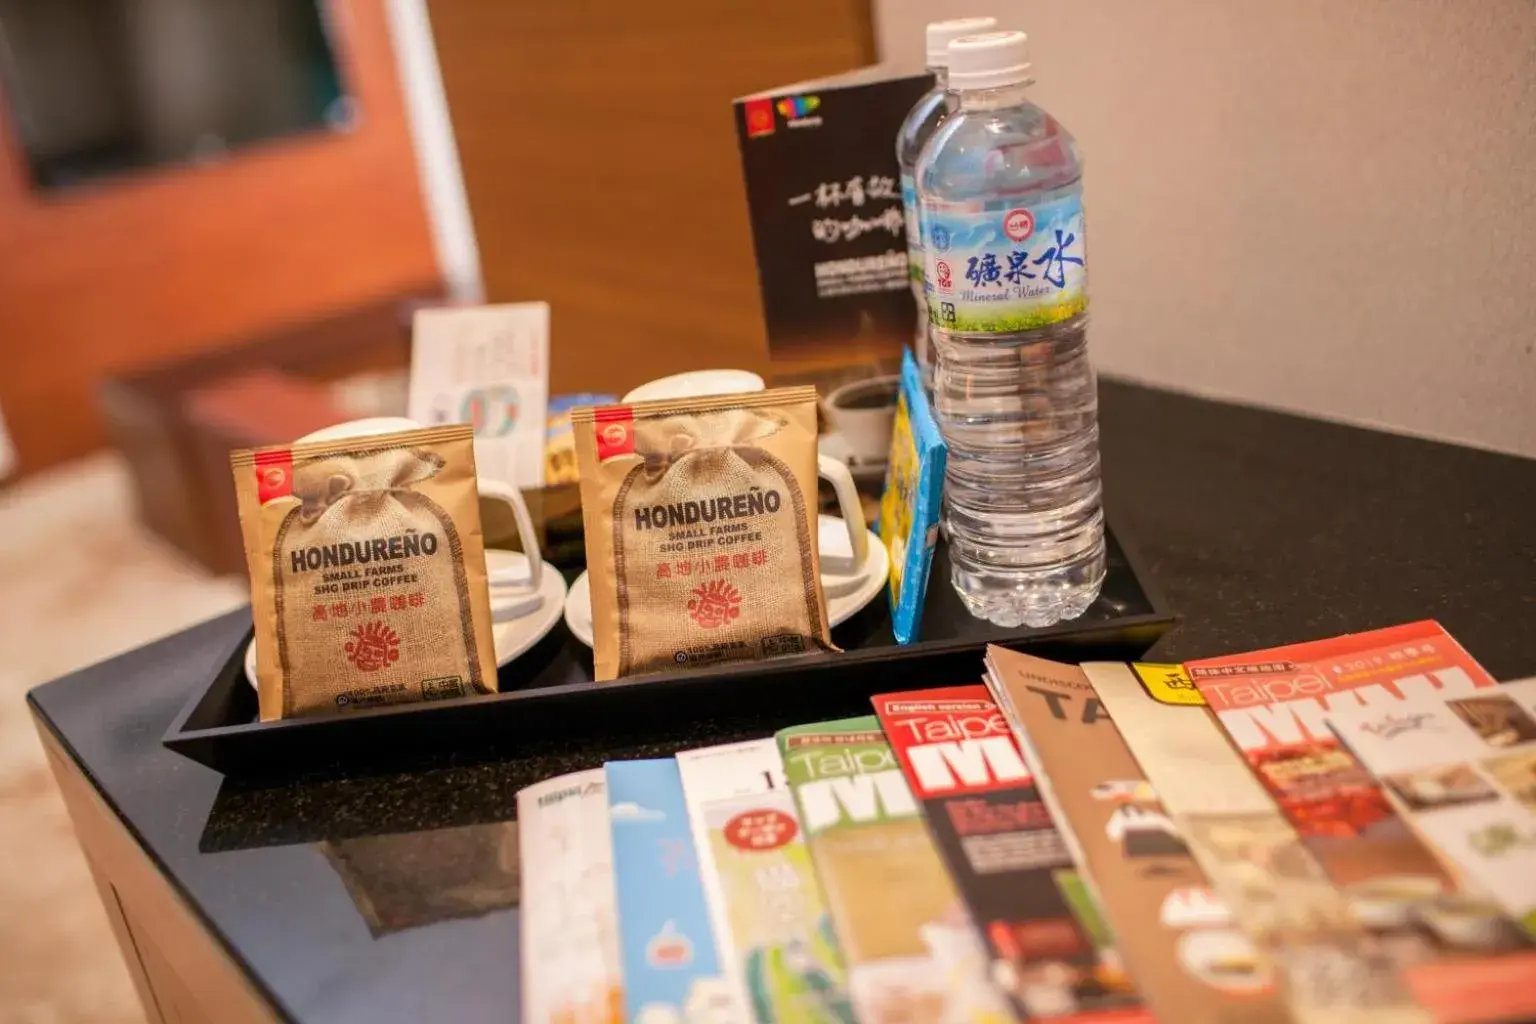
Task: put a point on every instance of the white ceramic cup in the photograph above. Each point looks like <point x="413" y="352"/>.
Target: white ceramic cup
<point x="698" y="383"/>
<point x="694" y="383"/>
<point x="502" y="590"/>
<point x="865" y="428"/>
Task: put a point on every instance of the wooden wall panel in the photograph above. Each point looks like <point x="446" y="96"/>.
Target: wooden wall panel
<point x="156" y="265"/>
<point x="599" y="157"/>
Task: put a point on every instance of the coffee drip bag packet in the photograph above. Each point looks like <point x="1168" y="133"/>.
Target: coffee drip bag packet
<point x="367" y="571"/>
<point x="700" y="519"/>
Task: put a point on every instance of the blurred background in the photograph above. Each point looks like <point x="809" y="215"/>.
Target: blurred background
<point x="217" y="217"/>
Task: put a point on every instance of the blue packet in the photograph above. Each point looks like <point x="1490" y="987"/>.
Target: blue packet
<point x="913" y="500"/>
<point x="671" y="966"/>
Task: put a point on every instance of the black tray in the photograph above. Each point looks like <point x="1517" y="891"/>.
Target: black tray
<point x="549" y="702"/>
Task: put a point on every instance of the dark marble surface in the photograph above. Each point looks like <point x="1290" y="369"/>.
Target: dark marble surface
<point x="384" y="898"/>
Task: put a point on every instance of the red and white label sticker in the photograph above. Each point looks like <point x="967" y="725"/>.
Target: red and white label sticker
<point x="765" y="829"/>
<point x="614" y="427"/>
<point x="274" y="474"/>
<point x="1019" y="224"/>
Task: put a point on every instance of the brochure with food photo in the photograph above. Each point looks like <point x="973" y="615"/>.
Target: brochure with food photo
<point x="569" y="946"/>
<point x="771" y="927"/>
<point x="911" y="953"/>
<point x="1273" y="703"/>
<point x="671" y="970"/>
<point x="1276" y="705"/>
<point x="1191" y="962"/>
<point x="1050" y="952"/>
<point x="1331" y="968"/>
<point x="1463" y="770"/>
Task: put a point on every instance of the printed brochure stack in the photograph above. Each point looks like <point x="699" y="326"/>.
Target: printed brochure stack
<point x="1335" y="831"/>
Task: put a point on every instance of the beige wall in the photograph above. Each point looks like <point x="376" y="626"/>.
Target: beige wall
<point x="1327" y="206"/>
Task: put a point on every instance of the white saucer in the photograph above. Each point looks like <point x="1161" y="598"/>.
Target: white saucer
<point x="513" y="637"/>
<point x="871" y="584"/>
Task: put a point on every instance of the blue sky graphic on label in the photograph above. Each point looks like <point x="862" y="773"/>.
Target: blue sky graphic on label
<point x="1007" y="270"/>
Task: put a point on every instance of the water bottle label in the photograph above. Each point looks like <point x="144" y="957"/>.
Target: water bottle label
<point x="1000" y="271"/>
<point x="914" y="236"/>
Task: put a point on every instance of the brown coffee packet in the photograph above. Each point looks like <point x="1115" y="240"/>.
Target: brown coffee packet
<point x="367" y="571"/>
<point x="701" y="532"/>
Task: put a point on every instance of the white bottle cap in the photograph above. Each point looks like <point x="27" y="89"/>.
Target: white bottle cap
<point x="940" y="33"/>
<point x="989" y="60"/>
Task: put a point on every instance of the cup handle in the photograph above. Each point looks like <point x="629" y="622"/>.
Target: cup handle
<point x="511" y="496"/>
<point x="836" y="473"/>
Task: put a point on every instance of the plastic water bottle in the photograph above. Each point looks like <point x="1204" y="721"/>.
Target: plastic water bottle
<point x="921" y="120"/>
<point x="1000" y="192"/>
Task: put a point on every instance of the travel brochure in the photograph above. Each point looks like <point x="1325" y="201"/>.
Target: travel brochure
<point x="1282" y="708"/>
<point x="1462" y="769"/>
<point x="1274" y="704"/>
<point x="1330" y="832"/>
<point x="1050" y="952"/>
<point x="671" y="970"/>
<point x="771" y="925"/>
<point x="570" y="950"/>
<point x="1255" y="862"/>
<point x="1175" y="935"/>
<point x="904" y="934"/>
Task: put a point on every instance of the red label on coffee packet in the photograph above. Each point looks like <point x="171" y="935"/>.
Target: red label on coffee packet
<point x="614" y="428"/>
<point x="274" y="474"/>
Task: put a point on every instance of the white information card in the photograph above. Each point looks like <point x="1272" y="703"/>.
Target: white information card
<point x="487" y="366"/>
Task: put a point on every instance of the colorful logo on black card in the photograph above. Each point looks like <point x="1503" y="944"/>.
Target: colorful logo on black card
<point x="798" y="106"/>
<point x="800" y="111"/>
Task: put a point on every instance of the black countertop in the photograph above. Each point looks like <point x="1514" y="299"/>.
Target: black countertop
<point x="388" y="897"/>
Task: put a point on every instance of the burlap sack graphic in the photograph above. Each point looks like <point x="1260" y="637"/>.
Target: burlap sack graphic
<point x="706" y="521"/>
<point x="367" y="572"/>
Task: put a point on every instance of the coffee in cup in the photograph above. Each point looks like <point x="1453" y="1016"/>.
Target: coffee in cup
<point x="862" y="413"/>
